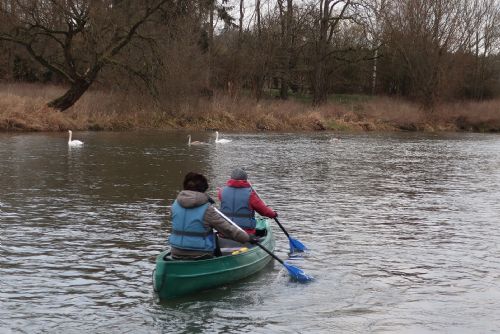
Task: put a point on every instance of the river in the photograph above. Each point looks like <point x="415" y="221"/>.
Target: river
<point x="402" y="229"/>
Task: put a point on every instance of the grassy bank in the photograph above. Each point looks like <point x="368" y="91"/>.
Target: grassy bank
<point x="22" y="108"/>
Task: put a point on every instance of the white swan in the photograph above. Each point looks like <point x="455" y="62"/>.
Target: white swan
<point x="73" y="142"/>
<point x="194" y="142"/>
<point x="220" y="141"/>
<point x="334" y="140"/>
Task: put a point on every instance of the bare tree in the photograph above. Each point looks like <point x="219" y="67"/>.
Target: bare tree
<point x="373" y="24"/>
<point x="328" y="17"/>
<point x="76" y="39"/>
<point x="242" y="18"/>
<point x="286" y="42"/>
<point x="259" y="74"/>
<point x="483" y="38"/>
<point x="426" y="33"/>
<point x="427" y="50"/>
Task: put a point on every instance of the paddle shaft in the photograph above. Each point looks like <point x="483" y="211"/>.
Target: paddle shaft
<point x="239" y="228"/>
<point x="275" y="218"/>
<point x="227" y="219"/>
<point x="270" y="253"/>
<point x="293" y="271"/>
<point x="281" y="226"/>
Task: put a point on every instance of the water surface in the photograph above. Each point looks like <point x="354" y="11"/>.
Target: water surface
<point x="403" y="231"/>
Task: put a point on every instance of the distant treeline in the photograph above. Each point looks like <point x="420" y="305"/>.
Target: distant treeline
<point x="175" y="51"/>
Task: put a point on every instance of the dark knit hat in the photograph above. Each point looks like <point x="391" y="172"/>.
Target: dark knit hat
<point x="239" y="174"/>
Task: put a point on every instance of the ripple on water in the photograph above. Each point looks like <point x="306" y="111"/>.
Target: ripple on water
<point x="402" y="231"/>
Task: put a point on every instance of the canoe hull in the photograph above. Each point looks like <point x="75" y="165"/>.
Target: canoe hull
<point x="178" y="278"/>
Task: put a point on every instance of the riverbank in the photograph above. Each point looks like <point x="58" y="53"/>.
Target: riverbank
<point x="23" y="108"/>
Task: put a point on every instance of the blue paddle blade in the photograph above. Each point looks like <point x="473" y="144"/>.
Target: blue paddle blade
<point x="298" y="274"/>
<point x="296" y="246"/>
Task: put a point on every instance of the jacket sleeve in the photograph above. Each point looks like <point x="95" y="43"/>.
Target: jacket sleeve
<point x="258" y="205"/>
<point x="214" y="220"/>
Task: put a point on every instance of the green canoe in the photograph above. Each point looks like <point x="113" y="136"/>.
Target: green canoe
<point x="174" y="278"/>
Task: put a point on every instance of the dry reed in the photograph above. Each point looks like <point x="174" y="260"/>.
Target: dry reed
<point x="23" y="108"/>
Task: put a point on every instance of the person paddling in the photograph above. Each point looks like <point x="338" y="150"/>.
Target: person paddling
<point x="240" y="202"/>
<point x="194" y="220"/>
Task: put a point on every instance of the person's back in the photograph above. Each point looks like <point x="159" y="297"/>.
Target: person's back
<point x="193" y="221"/>
<point x="239" y="202"/>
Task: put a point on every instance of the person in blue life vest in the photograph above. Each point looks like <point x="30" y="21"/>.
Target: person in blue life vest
<point x="240" y="202"/>
<point x="194" y="220"/>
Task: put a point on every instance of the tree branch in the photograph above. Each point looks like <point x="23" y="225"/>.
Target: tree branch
<point x="113" y="50"/>
<point x="46" y="63"/>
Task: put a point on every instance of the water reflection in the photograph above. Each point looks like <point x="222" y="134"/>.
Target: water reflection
<point x="402" y="229"/>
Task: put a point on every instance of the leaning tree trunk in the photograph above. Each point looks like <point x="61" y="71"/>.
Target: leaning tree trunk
<point x="71" y="96"/>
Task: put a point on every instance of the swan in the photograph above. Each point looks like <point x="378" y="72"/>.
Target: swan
<point x="334" y="140"/>
<point x="73" y="142"/>
<point x="220" y="141"/>
<point x="194" y="142"/>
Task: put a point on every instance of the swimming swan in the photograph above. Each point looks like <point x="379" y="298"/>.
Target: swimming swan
<point x="220" y="141"/>
<point x="334" y="140"/>
<point x="75" y="142"/>
<point x="194" y="142"/>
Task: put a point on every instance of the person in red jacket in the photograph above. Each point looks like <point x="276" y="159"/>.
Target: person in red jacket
<point x="240" y="202"/>
<point x="194" y="220"/>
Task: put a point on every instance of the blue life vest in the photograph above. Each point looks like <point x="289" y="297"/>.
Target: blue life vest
<point x="188" y="229"/>
<point x="235" y="203"/>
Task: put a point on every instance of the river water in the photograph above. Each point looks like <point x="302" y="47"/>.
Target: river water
<point x="403" y="231"/>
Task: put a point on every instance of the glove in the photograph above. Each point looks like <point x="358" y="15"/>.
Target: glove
<point x="275" y="214"/>
<point x="253" y="239"/>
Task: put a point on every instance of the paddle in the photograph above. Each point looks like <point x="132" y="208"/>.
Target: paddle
<point x="295" y="272"/>
<point x="295" y="245"/>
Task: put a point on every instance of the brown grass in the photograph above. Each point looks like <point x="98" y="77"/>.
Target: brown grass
<point x="23" y="108"/>
<point x="471" y="116"/>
